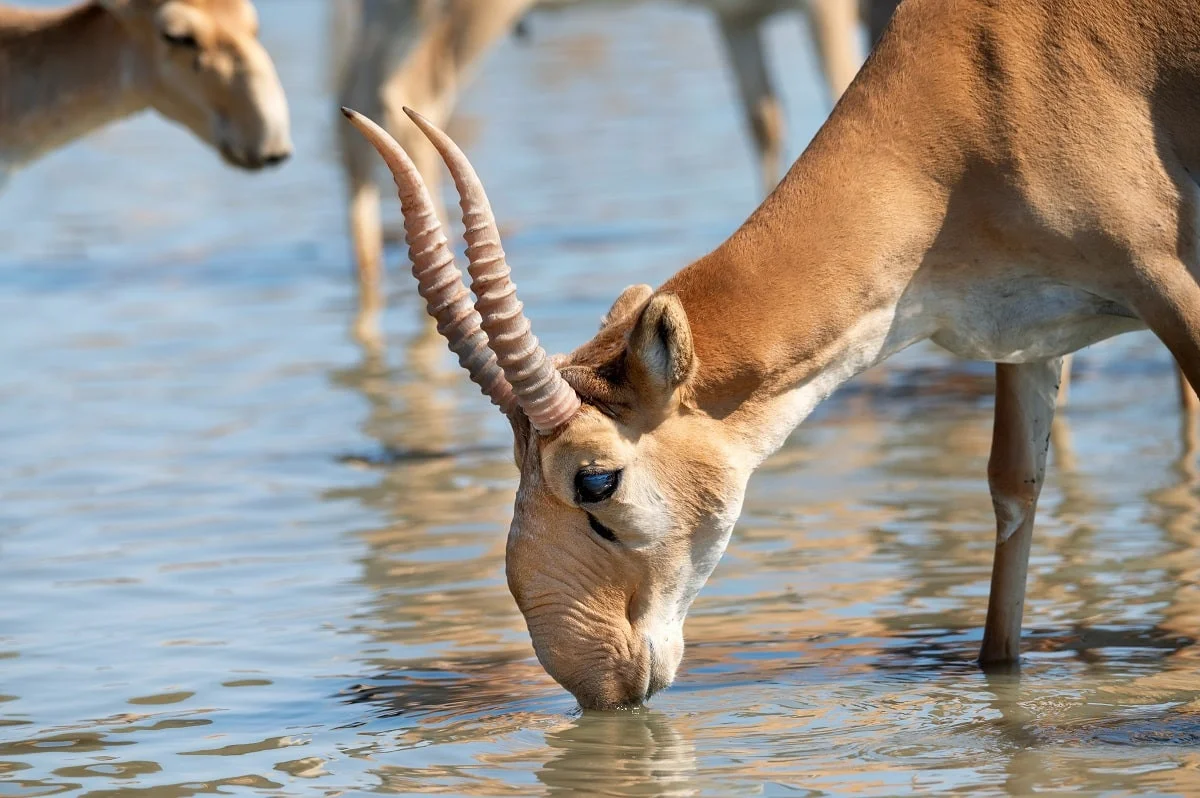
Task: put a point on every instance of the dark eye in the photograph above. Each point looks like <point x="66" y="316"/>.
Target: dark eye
<point x="180" y="40"/>
<point x="595" y="486"/>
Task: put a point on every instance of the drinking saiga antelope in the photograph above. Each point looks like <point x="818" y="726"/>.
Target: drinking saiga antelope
<point x="1012" y="181"/>
<point x="66" y="72"/>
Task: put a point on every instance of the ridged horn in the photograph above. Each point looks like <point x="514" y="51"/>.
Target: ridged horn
<point x="439" y="282"/>
<point x="543" y="394"/>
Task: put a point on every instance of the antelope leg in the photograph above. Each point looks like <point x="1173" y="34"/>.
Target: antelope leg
<point x="1025" y="401"/>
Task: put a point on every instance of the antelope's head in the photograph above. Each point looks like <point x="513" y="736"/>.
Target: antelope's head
<point x="628" y="491"/>
<point x="203" y="67"/>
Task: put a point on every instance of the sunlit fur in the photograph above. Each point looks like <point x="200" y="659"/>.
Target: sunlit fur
<point x="199" y="63"/>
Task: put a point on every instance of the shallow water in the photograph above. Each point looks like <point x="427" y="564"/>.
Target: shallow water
<point x="238" y="554"/>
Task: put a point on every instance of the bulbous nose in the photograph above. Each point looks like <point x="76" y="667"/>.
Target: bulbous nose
<point x="626" y="696"/>
<point x="597" y="682"/>
<point x="626" y="682"/>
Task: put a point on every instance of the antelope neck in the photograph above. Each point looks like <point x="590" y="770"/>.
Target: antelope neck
<point x="820" y="283"/>
<point x="47" y="100"/>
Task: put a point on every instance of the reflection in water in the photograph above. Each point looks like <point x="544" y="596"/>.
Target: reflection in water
<point x="406" y="414"/>
<point x="828" y="656"/>
<point x="630" y="753"/>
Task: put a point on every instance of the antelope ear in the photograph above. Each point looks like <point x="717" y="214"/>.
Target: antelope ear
<point x="630" y="299"/>
<point x="660" y="355"/>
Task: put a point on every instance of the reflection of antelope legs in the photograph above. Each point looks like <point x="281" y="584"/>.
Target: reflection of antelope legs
<point x="406" y="415"/>
<point x="420" y="53"/>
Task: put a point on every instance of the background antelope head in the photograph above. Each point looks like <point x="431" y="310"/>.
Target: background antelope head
<point x="203" y="67"/>
<point x="627" y="494"/>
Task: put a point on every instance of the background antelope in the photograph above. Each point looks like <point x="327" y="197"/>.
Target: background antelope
<point x="422" y="53"/>
<point x="1010" y="201"/>
<point x="67" y="72"/>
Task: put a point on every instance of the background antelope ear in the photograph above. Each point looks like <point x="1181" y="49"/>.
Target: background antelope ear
<point x="630" y="300"/>
<point x="660" y="356"/>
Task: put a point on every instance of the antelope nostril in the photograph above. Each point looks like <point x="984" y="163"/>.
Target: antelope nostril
<point x="276" y="159"/>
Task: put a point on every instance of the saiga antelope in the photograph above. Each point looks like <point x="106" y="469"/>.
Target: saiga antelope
<point x="66" y="72"/>
<point x="421" y="53"/>
<point x="1012" y="181"/>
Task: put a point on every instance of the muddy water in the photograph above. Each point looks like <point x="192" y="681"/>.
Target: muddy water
<point x="240" y="554"/>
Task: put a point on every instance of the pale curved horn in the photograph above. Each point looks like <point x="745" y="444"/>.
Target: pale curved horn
<point x="543" y="394"/>
<point x="439" y="282"/>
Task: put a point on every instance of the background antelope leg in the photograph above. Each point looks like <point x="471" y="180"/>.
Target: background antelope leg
<point x="743" y="38"/>
<point x="834" y="26"/>
<point x="1064" y="387"/>
<point x="1188" y="399"/>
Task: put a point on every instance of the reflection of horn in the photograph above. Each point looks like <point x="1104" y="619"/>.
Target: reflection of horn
<point x="543" y="395"/>
<point x="438" y="280"/>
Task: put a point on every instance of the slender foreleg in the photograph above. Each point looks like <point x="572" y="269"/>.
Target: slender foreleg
<point x="743" y="36"/>
<point x="1188" y="400"/>
<point x="1025" y="400"/>
<point x="1064" y="391"/>
<point x="442" y="56"/>
<point x="366" y="234"/>
<point x="835" y="32"/>
<point x="366" y="51"/>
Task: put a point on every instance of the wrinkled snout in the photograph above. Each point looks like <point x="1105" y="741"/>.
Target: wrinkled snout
<point x="606" y="673"/>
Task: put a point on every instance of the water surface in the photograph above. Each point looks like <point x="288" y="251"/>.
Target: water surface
<point x="240" y="554"/>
